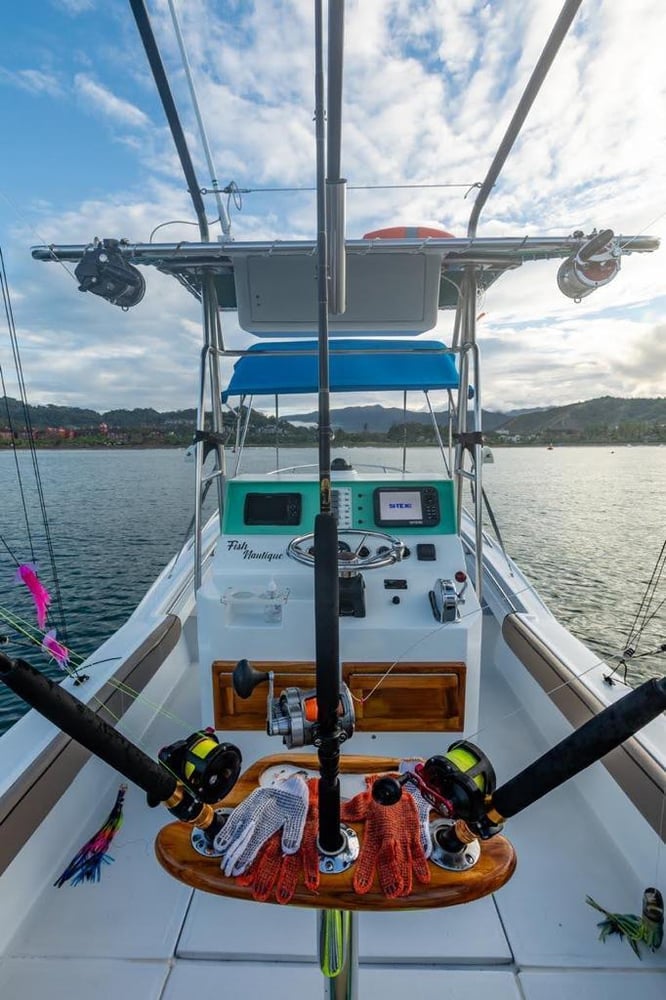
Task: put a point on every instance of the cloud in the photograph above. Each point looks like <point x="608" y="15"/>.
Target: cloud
<point x="75" y="7"/>
<point x="35" y="81"/>
<point x="99" y="99"/>
<point x="429" y="88"/>
<point x="646" y="361"/>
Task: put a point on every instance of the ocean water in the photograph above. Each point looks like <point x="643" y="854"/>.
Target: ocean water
<point x="585" y="524"/>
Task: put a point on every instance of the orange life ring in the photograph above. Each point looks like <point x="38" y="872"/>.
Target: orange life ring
<point x="406" y="232"/>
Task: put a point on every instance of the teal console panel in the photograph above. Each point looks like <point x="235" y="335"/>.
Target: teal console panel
<point x="289" y="508"/>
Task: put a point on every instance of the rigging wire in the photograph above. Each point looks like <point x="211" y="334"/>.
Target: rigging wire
<point x="646" y="612"/>
<point x="235" y="193"/>
<point x="32" y="636"/>
<point x="14" y="435"/>
<point x="32" y="449"/>
<point x="179" y="222"/>
<point x="232" y="188"/>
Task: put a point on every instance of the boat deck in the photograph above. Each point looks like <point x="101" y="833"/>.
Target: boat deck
<point x="536" y="939"/>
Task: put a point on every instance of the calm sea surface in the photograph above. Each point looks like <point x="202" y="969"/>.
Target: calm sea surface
<point x="585" y="524"/>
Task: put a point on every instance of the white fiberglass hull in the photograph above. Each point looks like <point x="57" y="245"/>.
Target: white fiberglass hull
<point x="140" y="934"/>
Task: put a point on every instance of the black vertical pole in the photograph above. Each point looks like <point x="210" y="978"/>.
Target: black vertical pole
<point x="326" y="533"/>
<point x="322" y="272"/>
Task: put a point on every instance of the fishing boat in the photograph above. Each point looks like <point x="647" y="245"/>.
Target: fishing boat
<point x="389" y="769"/>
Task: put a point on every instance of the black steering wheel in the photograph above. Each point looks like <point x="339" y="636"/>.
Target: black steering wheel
<point x="351" y="556"/>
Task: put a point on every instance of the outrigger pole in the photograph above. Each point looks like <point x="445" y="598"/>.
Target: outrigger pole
<point x="471" y="440"/>
<point x="206" y="440"/>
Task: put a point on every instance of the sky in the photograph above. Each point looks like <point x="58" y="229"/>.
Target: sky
<point x="429" y="88"/>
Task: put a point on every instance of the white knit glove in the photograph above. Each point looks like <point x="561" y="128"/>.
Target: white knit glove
<point x="282" y="806"/>
<point x="422" y="805"/>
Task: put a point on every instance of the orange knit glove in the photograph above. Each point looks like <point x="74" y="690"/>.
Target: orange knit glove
<point x="273" y="873"/>
<point x="391" y="844"/>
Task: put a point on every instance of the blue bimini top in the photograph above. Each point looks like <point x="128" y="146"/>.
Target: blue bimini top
<point x="283" y="368"/>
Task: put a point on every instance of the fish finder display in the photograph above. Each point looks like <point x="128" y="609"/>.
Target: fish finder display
<point x="275" y="509"/>
<point x="414" y="505"/>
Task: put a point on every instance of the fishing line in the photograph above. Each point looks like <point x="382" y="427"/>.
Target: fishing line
<point x="31" y="446"/>
<point x="122" y="688"/>
<point x="40" y="238"/>
<point x="645" y="613"/>
<point x="643" y="230"/>
<point x="602" y="661"/>
<point x="14" y="433"/>
<point x="27" y="629"/>
<point x="12" y="555"/>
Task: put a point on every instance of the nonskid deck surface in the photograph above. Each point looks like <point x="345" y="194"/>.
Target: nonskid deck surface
<point x="140" y="935"/>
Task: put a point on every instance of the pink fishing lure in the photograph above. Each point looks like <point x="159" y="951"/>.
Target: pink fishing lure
<point x="55" y="649"/>
<point x="27" y="574"/>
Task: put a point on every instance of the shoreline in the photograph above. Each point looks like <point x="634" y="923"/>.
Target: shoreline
<point x="300" y="446"/>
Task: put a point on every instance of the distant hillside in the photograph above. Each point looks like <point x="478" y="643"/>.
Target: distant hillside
<point x="607" y="413"/>
<point x="377" y="419"/>
<point x="595" y="420"/>
<point x="76" y="418"/>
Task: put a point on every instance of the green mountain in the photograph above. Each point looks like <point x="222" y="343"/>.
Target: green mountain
<point x="606" y="414"/>
<point x="377" y="419"/>
<point x="76" y="418"/>
<point x="603" y="419"/>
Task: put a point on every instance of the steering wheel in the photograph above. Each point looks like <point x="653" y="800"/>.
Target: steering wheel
<point x="351" y="557"/>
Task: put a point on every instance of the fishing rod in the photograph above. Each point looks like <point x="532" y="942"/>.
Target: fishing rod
<point x="326" y="592"/>
<point x="191" y="775"/>
<point x="460" y="784"/>
<point x="196" y="773"/>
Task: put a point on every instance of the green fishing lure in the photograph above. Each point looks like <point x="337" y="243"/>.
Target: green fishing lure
<point x="647" y="929"/>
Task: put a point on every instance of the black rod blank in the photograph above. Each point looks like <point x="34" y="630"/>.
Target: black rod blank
<point x="78" y="721"/>
<point x="590" y="743"/>
<point x="327" y="658"/>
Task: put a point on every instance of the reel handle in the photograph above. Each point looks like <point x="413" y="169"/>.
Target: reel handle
<point x="245" y="678"/>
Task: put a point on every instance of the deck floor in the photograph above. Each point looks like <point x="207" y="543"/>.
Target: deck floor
<point x="536" y="939"/>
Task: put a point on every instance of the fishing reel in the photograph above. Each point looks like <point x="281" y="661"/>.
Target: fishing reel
<point x="208" y="768"/>
<point x="458" y="786"/>
<point x="104" y="271"/>
<point x="595" y="264"/>
<point x="293" y="715"/>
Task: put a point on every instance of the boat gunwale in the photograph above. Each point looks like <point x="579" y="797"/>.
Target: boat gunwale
<point x="631" y="765"/>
